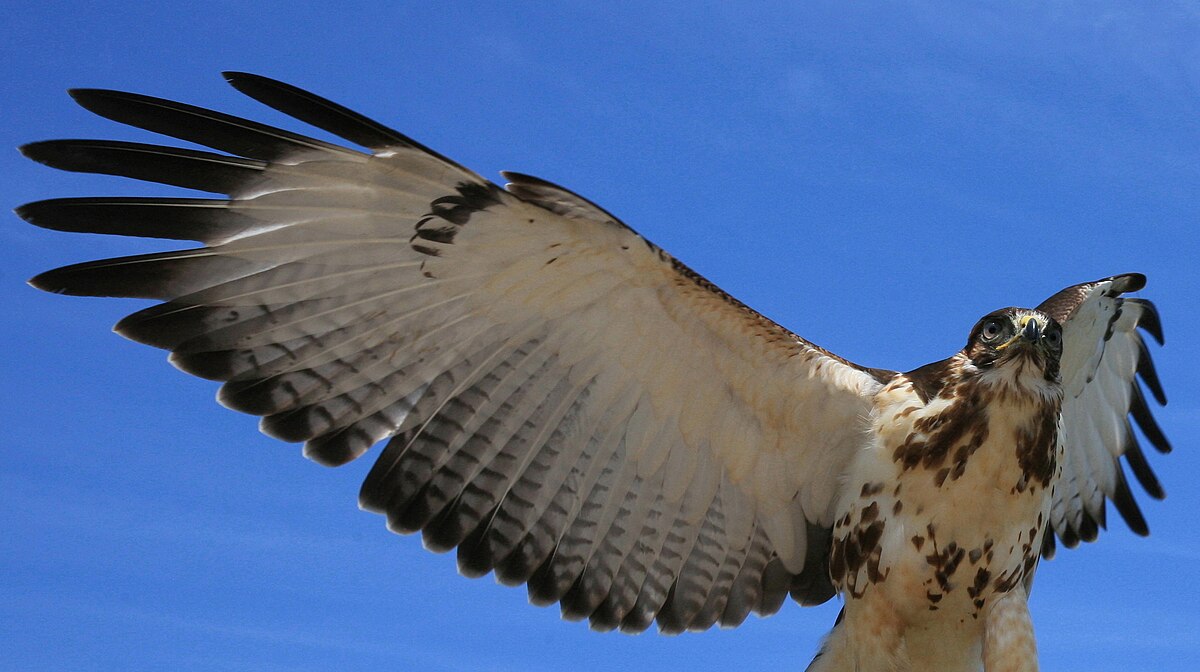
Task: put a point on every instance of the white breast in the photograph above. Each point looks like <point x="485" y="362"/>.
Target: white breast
<point x="943" y="514"/>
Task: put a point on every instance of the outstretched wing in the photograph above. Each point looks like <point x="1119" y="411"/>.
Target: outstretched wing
<point x="1103" y="356"/>
<point x="566" y="404"/>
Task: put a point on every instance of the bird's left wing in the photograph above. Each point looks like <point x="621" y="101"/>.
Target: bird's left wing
<point x="567" y="404"/>
<point x="1103" y="356"/>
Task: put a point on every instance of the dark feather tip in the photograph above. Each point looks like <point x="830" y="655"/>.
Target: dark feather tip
<point x="43" y="151"/>
<point x="313" y="109"/>
<point x="1150" y="320"/>
<point x="97" y="100"/>
<point x="1070" y="538"/>
<point x="106" y="277"/>
<point x="46" y="281"/>
<point x="1048" y="546"/>
<point x="327" y="115"/>
<point x="1145" y="369"/>
<point x="28" y="212"/>
<point x="1127" y="506"/>
<point x="204" y="171"/>
<point x="1141" y="468"/>
<point x="1129" y="282"/>
<point x="1089" y="528"/>
<point x="1145" y="420"/>
<point x="201" y="220"/>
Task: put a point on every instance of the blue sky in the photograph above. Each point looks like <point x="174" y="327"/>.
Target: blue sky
<point x="874" y="179"/>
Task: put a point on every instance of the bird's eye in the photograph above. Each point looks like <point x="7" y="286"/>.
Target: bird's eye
<point x="1054" y="338"/>
<point x="991" y="330"/>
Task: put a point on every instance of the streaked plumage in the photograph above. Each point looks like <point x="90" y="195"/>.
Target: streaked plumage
<point x="573" y="409"/>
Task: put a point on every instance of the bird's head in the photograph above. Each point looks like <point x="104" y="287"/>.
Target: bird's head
<point x="1017" y="343"/>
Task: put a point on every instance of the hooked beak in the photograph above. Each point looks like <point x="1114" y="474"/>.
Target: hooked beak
<point x="1030" y="332"/>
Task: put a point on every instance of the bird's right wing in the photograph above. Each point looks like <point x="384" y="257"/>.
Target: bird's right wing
<point x="566" y="404"/>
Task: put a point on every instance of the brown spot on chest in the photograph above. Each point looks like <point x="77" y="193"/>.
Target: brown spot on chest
<point x="945" y="563"/>
<point x="854" y="556"/>
<point x="1036" y="445"/>
<point x="975" y="590"/>
<point x="962" y="428"/>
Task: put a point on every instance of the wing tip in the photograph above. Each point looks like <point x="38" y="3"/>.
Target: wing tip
<point x="44" y="282"/>
<point x="111" y="103"/>
<point x="238" y="78"/>
<point x="28" y="212"/>
<point x="41" y="214"/>
<point x="28" y="148"/>
<point x="89" y="98"/>
<point x="42" y="151"/>
<point x="1128" y="282"/>
<point x="63" y="280"/>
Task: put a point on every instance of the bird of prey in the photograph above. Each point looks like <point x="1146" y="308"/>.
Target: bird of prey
<point x="573" y="409"/>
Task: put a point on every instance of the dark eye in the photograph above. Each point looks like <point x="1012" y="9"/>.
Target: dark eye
<point x="991" y="330"/>
<point x="1054" y="338"/>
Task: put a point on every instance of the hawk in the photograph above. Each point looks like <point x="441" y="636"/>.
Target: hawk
<point x="573" y="409"/>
